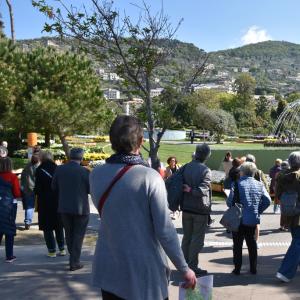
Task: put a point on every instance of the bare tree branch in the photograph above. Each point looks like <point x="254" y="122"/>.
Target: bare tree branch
<point x="12" y="21"/>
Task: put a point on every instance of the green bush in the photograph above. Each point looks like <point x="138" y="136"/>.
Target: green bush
<point x="13" y="139"/>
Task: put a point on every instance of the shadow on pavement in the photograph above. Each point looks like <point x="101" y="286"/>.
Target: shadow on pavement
<point x="46" y="278"/>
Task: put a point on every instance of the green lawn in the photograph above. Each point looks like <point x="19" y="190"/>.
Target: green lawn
<point x="265" y="157"/>
<point x="19" y="163"/>
<point x="184" y="151"/>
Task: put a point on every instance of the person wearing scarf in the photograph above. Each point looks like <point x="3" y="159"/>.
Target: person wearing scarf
<point x="136" y="232"/>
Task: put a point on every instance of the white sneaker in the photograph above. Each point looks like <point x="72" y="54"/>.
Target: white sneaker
<point x="282" y="277"/>
<point x="51" y="254"/>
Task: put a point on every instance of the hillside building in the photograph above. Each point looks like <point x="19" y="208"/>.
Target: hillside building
<point x="155" y="92"/>
<point x="112" y="94"/>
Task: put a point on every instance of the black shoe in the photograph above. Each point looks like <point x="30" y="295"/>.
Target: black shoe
<point x="236" y="272"/>
<point x="77" y="267"/>
<point x="199" y="272"/>
<point x="253" y="271"/>
<point x="210" y="222"/>
<point x="27" y="226"/>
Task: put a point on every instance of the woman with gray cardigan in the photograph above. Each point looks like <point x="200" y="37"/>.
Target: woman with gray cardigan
<point x="136" y="230"/>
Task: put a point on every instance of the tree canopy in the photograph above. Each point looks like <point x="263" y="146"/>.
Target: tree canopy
<point x="52" y="92"/>
<point x="135" y="49"/>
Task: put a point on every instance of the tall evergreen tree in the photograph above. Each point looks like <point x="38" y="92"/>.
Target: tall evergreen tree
<point x="62" y="95"/>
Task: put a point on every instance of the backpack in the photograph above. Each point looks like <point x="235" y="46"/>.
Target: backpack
<point x="289" y="204"/>
<point x="174" y="186"/>
<point x="7" y="219"/>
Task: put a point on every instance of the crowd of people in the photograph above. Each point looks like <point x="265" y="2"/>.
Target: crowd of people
<point x="136" y="232"/>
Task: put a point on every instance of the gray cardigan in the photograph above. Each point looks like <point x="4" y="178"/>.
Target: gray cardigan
<point x="135" y="228"/>
<point x="198" y="176"/>
<point x="71" y="181"/>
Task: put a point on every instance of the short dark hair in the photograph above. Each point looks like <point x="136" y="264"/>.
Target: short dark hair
<point x="227" y="156"/>
<point x="236" y="162"/>
<point x="35" y="159"/>
<point x="5" y="164"/>
<point x="170" y="158"/>
<point x="76" y="154"/>
<point x="202" y="152"/>
<point x="125" y="134"/>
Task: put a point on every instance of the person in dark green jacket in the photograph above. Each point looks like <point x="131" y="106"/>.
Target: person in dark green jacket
<point x="27" y="188"/>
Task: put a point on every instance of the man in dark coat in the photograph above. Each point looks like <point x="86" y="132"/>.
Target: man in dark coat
<point x="47" y="205"/>
<point x="71" y="181"/>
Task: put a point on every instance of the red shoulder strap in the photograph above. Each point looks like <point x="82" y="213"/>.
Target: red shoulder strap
<point x="107" y="191"/>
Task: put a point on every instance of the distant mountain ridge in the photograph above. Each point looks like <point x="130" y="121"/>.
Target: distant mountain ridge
<point x="274" y="64"/>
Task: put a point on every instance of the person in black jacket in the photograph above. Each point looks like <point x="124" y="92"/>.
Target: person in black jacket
<point x="47" y="206"/>
<point x="71" y="181"/>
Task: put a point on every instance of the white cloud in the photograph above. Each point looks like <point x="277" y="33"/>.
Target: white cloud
<point x="254" y="35"/>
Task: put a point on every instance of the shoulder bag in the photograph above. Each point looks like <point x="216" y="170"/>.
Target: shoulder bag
<point x="232" y="217"/>
<point x="107" y="191"/>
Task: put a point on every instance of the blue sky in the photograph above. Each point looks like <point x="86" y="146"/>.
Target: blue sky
<point x="209" y="24"/>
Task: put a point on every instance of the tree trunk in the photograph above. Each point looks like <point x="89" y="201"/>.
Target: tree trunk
<point x="65" y="145"/>
<point x="12" y="21"/>
<point x="153" y="146"/>
<point x="47" y="139"/>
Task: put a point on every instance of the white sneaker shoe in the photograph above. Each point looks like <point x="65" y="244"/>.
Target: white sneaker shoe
<point x="282" y="277"/>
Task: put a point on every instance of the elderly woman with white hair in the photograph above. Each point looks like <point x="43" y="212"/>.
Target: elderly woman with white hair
<point x="254" y="198"/>
<point x="289" y="180"/>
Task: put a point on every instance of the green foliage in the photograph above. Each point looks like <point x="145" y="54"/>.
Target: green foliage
<point x="217" y="121"/>
<point x="244" y="118"/>
<point x="209" y="98"/>
<point x="49" y="91"/>
<point x="66" y="92"/>
<point x="244" y="86"/>
<point x="11" y="79"/>
<point x="165" y="108"/>
<point x="281" y="106"/>
<point x="264" y="120"/>
<point x="135" y="49"/>
<point x="1" y="27"/>
<point x="262" y="107"/>
<point x="293" y="97"/>
<point x="13" y="138"/>
<point x="244" y="106"/>
<point x="272" y="64"/>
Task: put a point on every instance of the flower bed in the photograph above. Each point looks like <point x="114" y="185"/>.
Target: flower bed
<point x="58" y="154"/>
<point x="217" y="180"/>
<point x="93" y="156"/>
<point x="101" y="139"/>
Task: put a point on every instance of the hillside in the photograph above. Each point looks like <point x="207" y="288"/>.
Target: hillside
<point x="274" y="64"/>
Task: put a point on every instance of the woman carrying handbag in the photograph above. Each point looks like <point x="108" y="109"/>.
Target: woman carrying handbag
<point x="255" y="199"/>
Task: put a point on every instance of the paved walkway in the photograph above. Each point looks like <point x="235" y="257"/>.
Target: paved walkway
<point x="35" y="276"/>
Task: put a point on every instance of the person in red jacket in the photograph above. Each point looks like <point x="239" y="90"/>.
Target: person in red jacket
<point x="10" y="185"/>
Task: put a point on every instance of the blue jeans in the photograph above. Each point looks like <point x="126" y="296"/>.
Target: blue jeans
<point x="28" y="201"/>
<point x="291" y="260"/>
